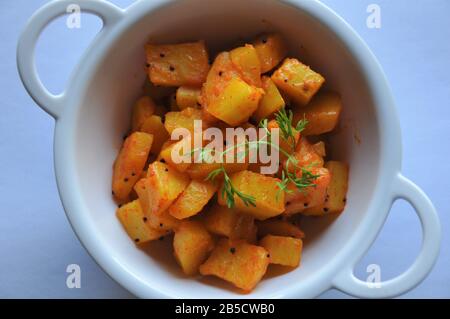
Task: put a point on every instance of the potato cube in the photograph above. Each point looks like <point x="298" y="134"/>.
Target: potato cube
<point x="271" y="49"/>
<point x="297" y="80"/>
<point x="192" y="243"/>
<point x="153" y="125"/>
<point x="236" y="102"/>
<point x="163" y="221"/>
<point x="165" y="184"/>
<point x="188" y="96"/>
<point x="177" y="64"/>
<point x="183" y="155"/>
<point x="142" y="109"/>
<point x="279" y="228"/>
<point x="299" y="200"/>
<point x="322" y="113"/>
<point x="196" y="195"/>
<point x="336" y="193"/>
<point x="183" y="119"/>
<point x="246" y="61"/>
<point x="271" y="101"/>
<point x="133" y="220"/>
<point x="224" y="221"/>
<point x="130" y="163"/>
<point x="284" y="251"/>
<point x="237" y="262"/>
<point x="265" y="190"/>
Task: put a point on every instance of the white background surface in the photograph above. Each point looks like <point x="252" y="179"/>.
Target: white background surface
<point x="36" y="241"/>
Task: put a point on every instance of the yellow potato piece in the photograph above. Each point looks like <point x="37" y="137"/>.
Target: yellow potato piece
<point x="285" y="251"/>
<point x="130" y="163"/>
<point x="187" y="96"/>
<point x="297" y="80"/>
<point x="142" y="109"/>
<point x="196" y="195"/>
<point x="336" y="193"/>
<point x="246" y="61"/>
<point x="271" y="101"/>
<point x="165" y="184"/>
<point x="271" y="49"/>
<point x="153" y="125"/>
<point x="135" y="224"/>
<point x="192" y="243"/>
<point x="322" y="113"/>
<point x="228" y="222"/>
<point x="177" y="64"/>
<point x="262" y="188"/>
<point x="237" y="262"/>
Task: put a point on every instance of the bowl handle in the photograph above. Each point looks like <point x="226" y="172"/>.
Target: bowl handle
<point x="51" y="103"/>
<point x="431" y="233"/>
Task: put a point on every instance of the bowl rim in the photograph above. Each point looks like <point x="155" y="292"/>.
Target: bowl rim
<point x="356" y="245"/>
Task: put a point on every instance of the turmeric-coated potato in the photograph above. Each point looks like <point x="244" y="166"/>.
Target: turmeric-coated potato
<point x="196" y="195"/>
<point x="237" y="262"/>
<point x="135" y="223"/>
<point x="269" y="201"/>
<point x="165" y="184"/>
<point x="336" y="193"/>
<point x="279" y="228"/>
<point x="142" y="110"/>
<point x="297" y="80"/>
<point x="177" y="64"/>
<point x="188" y="96"/>
<point x="192" y="243"/>
<point x="271" y="49"/>
<point x="130" y="163"/>
<point x="245" y="60"/>
<point x="271" y="101"/>
<point x="285" y="251"/>
<point x="153" y="125"/>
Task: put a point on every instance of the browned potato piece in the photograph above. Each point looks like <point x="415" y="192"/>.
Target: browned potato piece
<point x="271" y="49"/>
<point x="153" y="125"/>
<point x="271" y="102"/>
<point x="237" y="262"/>
<point x="183" y="119"/>
<point x="246" y="61"/>
<point x="336" y="193"/>
<point x="188" y="96"/>
<point x="142" y="110"/>
<point x="279" y="228"/>
<point x="130" y="163"/>
<point x="196" y="195"/>
<point x="297" y="80"/>
<point x="134" y="222"/>
<point x="224" y="221"/>
<point x="177" y="64"/>
<point x="284" y="251"/>
<point x="192" y="244"/>
<point x="165" y="184"/>
<point x="322" y="113"/>
<point x="263" y="189"/>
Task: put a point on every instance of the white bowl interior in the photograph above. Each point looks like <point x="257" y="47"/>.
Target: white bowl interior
<point x="104" y="113"/>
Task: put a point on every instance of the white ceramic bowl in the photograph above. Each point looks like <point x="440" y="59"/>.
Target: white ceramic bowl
<point x="92" y="115"/>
